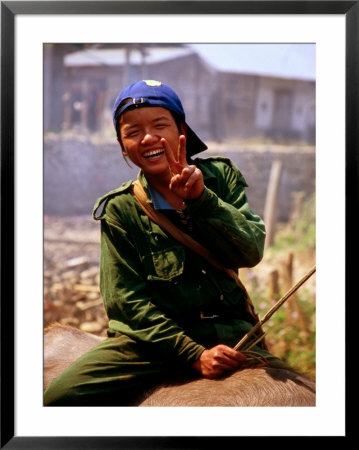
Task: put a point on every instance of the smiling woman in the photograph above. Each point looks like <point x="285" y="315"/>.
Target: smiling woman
<point x="173" y="310"/>
<point x="141" y="134"/>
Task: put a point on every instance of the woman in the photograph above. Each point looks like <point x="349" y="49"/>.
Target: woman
<point x="171" y="312"/>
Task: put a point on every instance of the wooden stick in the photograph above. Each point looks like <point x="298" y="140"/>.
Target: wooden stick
<point x="270" y="313"/>
<point x="251" y="344"/>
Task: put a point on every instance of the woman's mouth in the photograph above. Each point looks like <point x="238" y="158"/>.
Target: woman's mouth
<point x="153" y="154"/>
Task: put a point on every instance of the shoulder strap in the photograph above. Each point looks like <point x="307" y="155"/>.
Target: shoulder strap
<point x="141" y="197"/>
<point x="159" y="218"/>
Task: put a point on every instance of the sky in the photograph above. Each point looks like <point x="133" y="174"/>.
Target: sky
<point x="287" y="60"/>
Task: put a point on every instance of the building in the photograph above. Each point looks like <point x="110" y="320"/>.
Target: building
<point x="236" y="100"/>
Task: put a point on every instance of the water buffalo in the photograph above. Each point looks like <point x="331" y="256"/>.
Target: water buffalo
<point x="258" y="386"/>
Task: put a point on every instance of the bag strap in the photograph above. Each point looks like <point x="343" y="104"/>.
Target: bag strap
<point x="159" y="218"/>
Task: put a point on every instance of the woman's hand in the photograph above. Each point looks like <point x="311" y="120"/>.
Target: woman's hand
<point x="213" y="362"/>
<point x="186" y="181"/>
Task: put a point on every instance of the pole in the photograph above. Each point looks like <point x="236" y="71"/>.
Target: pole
<point x="274" y="308"/>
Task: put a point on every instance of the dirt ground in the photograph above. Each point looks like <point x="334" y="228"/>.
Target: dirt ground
<point x="71" y="273"/>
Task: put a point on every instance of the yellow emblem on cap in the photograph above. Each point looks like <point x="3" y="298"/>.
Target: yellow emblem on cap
<point x="152" y="82"/>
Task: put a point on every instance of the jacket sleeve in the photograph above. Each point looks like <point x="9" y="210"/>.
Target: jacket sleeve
<point x="128" y="303"/>
<point x="226" y="223"/>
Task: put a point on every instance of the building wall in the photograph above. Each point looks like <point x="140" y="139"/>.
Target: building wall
<point x="76" y="172"/>
<point x="285" y="108"/>
<point x="218" y="105"/>
<point x="238" y="97"/>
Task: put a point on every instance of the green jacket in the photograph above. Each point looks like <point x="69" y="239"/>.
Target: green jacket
<point x="154" y="288"/>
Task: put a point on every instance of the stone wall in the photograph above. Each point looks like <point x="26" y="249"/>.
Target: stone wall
<point x="76" y="172"/>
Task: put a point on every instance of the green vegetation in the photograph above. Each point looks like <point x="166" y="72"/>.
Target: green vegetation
<point x="299" y="234"/>
<point x="291" y="330"/>
<point x="289" y="338"/>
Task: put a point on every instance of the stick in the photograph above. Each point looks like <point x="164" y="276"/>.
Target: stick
<point x="274" y="309"/>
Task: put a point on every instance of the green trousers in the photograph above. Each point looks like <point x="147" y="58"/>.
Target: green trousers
<point x="119" y="372"/>
<point x="116" y="372"/>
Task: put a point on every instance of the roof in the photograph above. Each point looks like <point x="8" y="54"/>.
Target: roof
<point x="279" y="60"/>
<point x="117" y="56"/>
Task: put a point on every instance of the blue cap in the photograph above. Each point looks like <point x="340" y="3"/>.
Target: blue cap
<point x="156" y="93"/>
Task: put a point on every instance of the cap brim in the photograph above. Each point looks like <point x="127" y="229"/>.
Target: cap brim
<point x="194" y="143"/>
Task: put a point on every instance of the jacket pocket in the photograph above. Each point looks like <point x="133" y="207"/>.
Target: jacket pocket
<point x="168" y="263"/>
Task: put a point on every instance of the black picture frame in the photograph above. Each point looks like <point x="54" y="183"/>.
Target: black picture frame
<point x="9" y="10"/>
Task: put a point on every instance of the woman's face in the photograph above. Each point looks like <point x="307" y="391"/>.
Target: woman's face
<point x="141" y="131"/>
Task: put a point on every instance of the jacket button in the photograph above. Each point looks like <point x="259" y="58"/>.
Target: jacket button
<point x="221" y="297"/>
<point x="204" y="272"/>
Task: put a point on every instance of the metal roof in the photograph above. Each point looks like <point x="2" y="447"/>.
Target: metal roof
<point x="279" y="60"/>
<point x="118" y="56"/>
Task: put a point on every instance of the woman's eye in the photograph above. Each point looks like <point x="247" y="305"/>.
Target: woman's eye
<point x="132" y="134"/>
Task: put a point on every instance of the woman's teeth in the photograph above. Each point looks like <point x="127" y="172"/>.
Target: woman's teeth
<point x="153" y="153"/>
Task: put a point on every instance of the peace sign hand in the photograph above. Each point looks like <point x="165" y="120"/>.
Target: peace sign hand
<point x="186" y="180"/>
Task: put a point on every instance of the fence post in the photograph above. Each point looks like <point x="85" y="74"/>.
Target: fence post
<point x="270" y="209"/>
<point x="292" y="306"/>
<point x="273" y="291"/>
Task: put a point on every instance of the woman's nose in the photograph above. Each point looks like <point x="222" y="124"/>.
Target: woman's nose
<point x="148" y="138"/>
